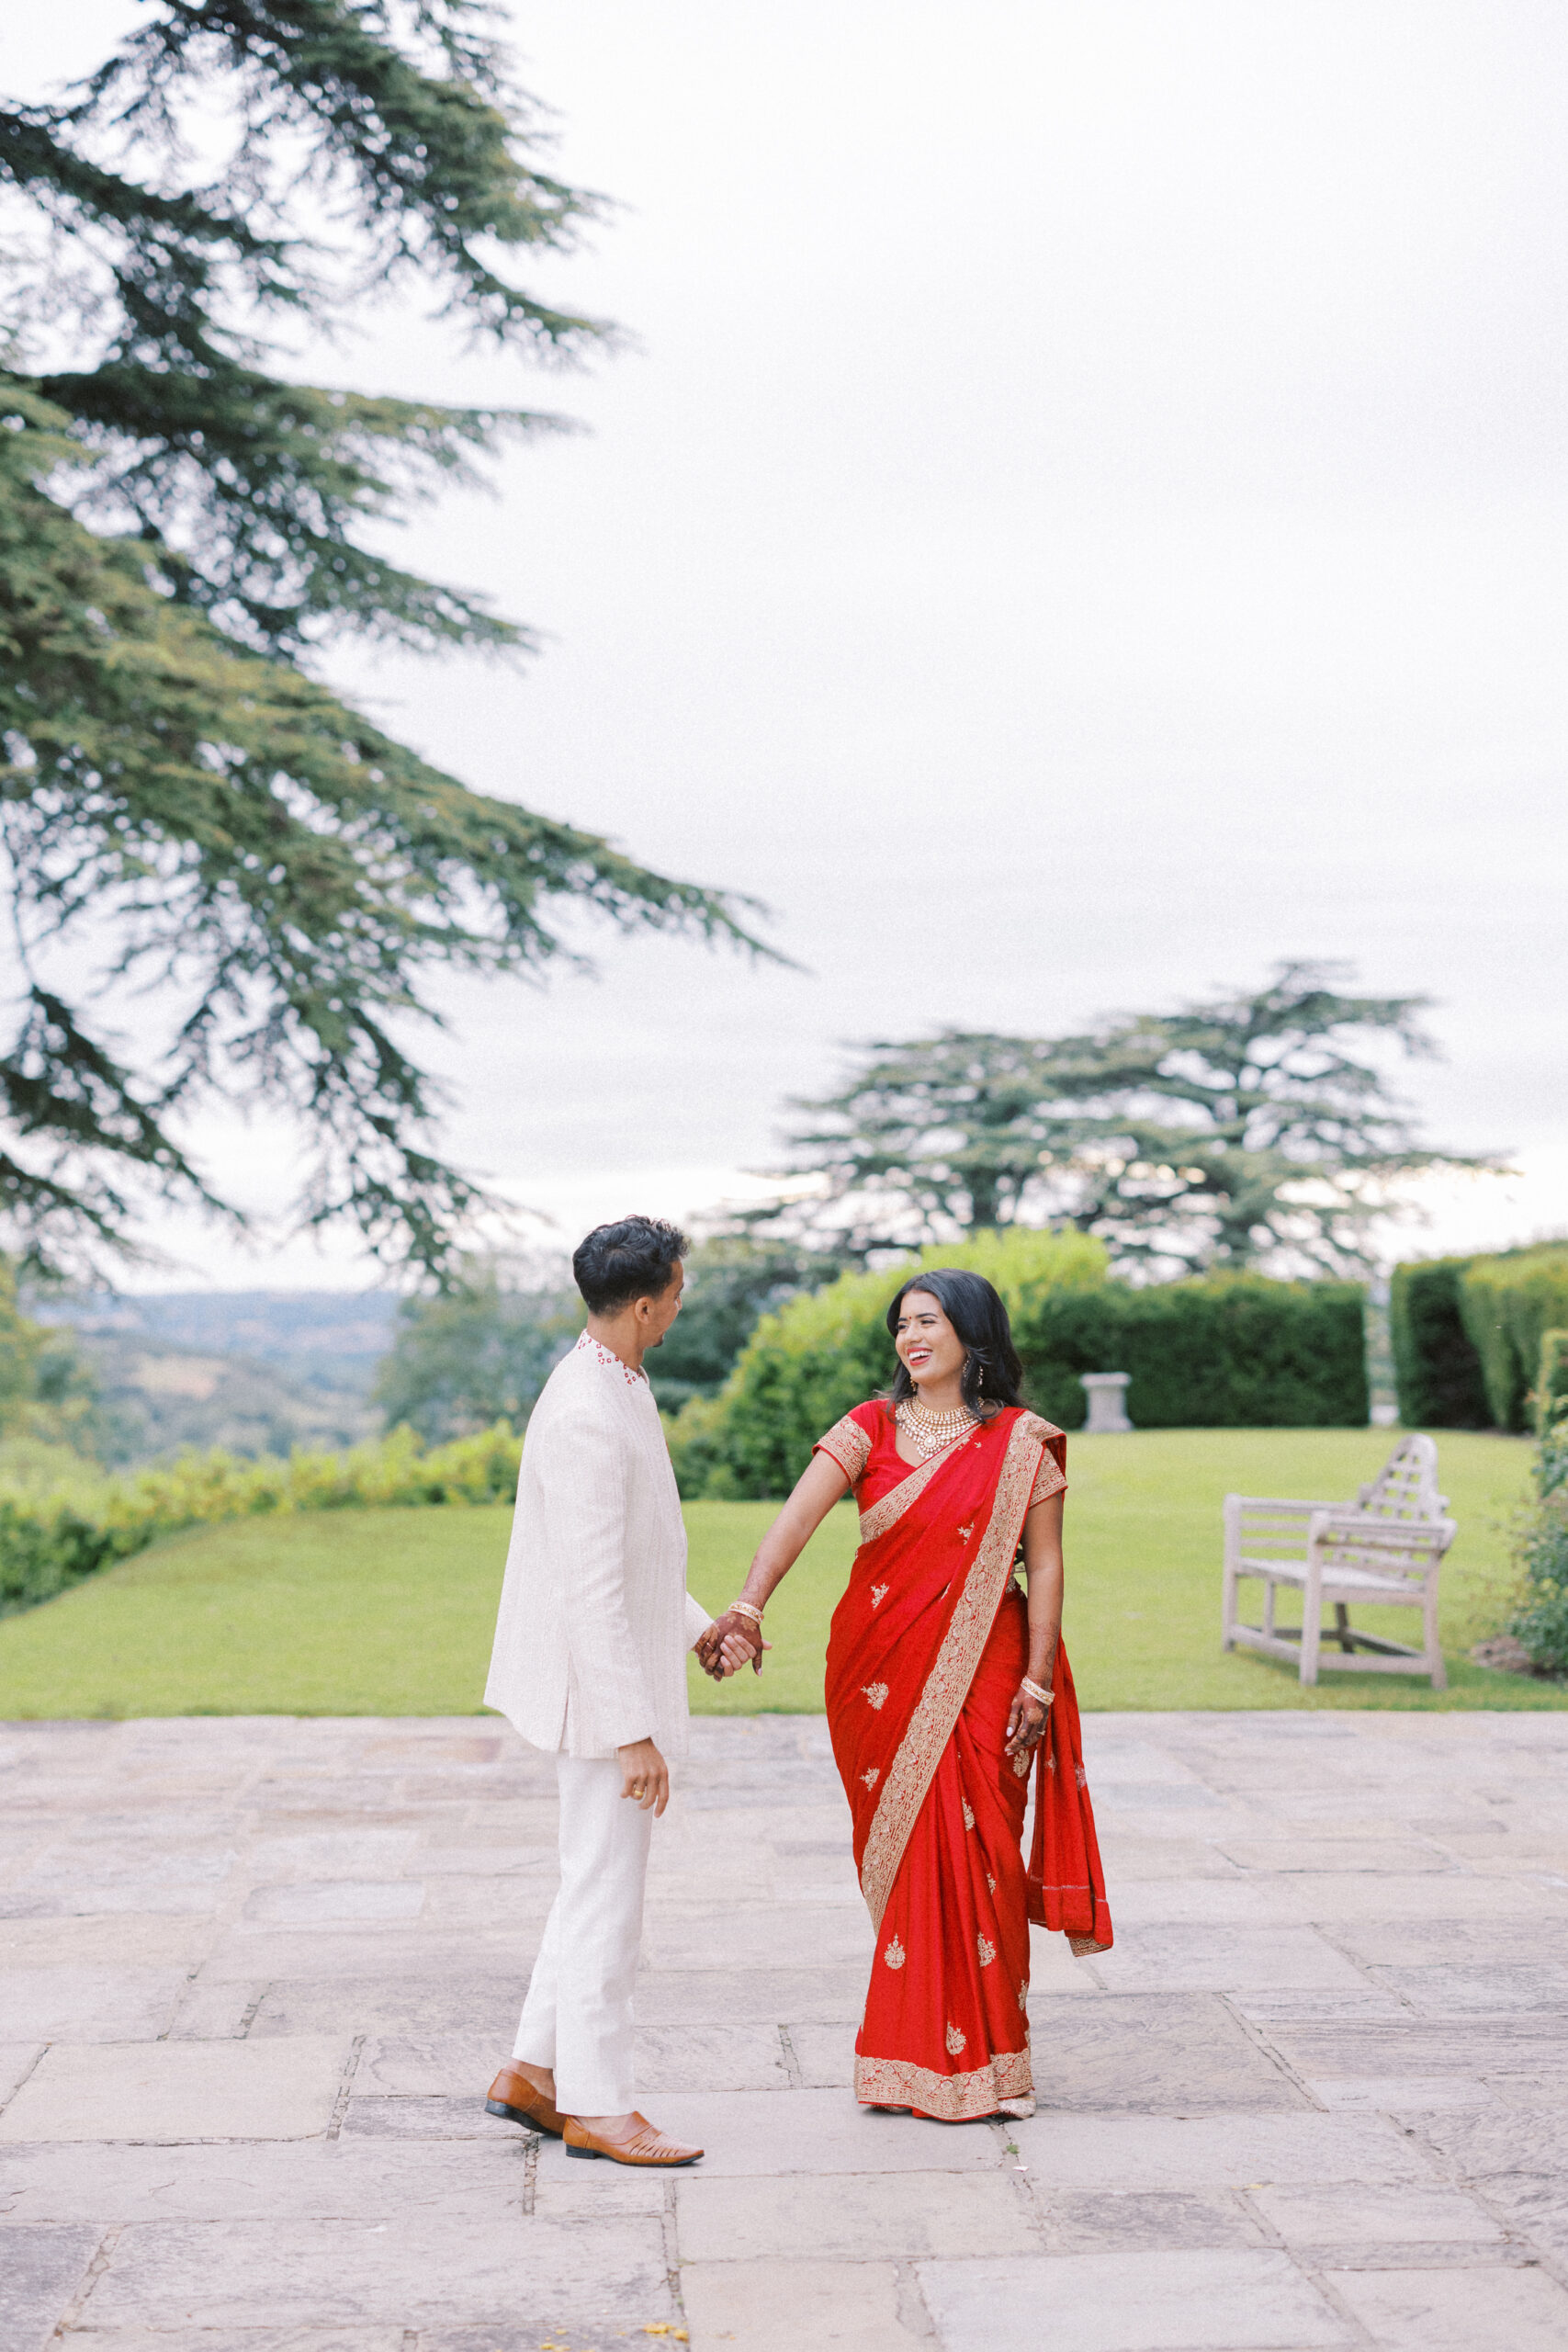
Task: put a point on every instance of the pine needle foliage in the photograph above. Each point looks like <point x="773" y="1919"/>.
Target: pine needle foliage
<point x="1254" y="1128"/>
<point x="195" y="826"/>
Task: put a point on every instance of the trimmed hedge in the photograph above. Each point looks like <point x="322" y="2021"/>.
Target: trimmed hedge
<point x="1508" y="1305"/>
<point x="47" y="1545"/>
<point x="1222" y="1351"/>
<point x="1219" y="1351"/>
<point x="1435" y="1368"/>
<point x="1468" y="1335"/>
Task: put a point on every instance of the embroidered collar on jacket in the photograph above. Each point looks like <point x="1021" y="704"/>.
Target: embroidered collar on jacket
<point x="587" y="1345"/>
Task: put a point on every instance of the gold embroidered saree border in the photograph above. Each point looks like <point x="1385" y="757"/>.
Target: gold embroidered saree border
<point x="947" y="1686"/>
<point x="1050" y="1479"/>
<point x="896" y="1502"/>
<point x="847" y="1444"/>
<point x="952" y="2099"/>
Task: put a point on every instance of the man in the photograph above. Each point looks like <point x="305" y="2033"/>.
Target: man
<point x="590" y="1663"/>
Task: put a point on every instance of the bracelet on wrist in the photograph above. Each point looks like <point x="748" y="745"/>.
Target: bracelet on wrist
<point x="1035" y="1691"/>
<point x="744" y="1608"/>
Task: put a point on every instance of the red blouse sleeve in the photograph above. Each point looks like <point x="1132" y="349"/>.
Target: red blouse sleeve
<point x="1051" y="1478"/>
<point x="849" y="1441"/>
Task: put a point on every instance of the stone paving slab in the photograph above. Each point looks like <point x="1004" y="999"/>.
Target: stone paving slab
<point x="1360" y="2215"/>
<point x="780" y="2306"/>
<point x="41" y="2269"/>
<point x="1209" y="2300"/>
<point x="255" y="1974"/>
<point x="306" y="2180"/>
<point x="536" y="2273"/>
<point x="179" y="2090"/>
<point x="836" y="2216"/>
<point x="1456" y="2310"/>
<point x="1154" y="2053"/>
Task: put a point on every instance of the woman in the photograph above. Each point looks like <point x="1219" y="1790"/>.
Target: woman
<point x="939" y="1690"/>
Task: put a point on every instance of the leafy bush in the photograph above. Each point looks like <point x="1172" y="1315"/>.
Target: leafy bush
<point x="1542" y="1624"/>
<point x="1509" y="1304"/>
<point x="1229" y="1351"/>
<point x="1436" y="1366"/>
<point x="50" y="1543"/>
<point x="731" y="1283"/>
<point x="821" y="1353"/>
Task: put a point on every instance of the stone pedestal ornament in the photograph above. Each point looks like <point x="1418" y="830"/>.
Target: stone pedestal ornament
<point x="1107" y="1394"/>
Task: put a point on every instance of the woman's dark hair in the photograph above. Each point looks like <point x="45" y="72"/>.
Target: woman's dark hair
<point x="992" y="1373"/>
<point x="634" y="1257"/>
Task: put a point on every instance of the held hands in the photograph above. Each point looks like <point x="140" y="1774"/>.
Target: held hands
<point x="728" y="1644"/>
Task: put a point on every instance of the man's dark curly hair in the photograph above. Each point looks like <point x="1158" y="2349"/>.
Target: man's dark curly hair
<point x="634" y="1257"/>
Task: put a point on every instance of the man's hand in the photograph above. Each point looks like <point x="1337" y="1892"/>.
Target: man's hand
<point x="728" y="1644"/>
<point x="645" y="1776"/>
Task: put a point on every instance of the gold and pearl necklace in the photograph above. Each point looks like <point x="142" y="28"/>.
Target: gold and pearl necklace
<point x="931" y="1432"/>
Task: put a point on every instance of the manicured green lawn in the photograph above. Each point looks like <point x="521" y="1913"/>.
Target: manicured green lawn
<point x="390" y="1613"/>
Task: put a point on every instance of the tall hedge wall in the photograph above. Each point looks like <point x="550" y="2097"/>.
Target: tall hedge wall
<point x="1468" y="1335"/>
<point x="1224" y="1351"/>
<point x="1508" y="1305"/>
<point x="1436" y="1367"/>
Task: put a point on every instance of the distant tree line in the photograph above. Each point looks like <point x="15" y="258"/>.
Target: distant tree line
<point x="482" y="1351"/>
<point x="1250" y="1133"/>
<point x="1251" y="1130"/>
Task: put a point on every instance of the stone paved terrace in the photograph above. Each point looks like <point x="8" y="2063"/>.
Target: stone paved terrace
<point x="258" y="1974"/>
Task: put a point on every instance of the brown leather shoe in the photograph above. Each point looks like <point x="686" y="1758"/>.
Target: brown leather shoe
<point x="517" y="2100"/>
<point x="644" y="2144"/>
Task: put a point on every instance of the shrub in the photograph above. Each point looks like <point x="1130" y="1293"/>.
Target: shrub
<point x="1509" y="1304"/>
<point x="697" y="1439"/>
<point x="1436" y="1367"/>
<point x="820" y="1354"/>
<point x="731" y="1283"/>
<point x="1542" y="1624"/>
<point x="43" y="1552"/>
<point x="50" y="1543"/>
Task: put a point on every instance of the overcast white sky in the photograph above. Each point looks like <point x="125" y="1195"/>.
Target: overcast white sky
<point x="1085" y="520"/>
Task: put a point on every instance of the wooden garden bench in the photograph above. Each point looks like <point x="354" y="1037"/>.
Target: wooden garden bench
<point x="1386" y="1547"/>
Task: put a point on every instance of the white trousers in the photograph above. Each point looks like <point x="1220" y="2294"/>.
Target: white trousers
<point x="578" y="2014"/>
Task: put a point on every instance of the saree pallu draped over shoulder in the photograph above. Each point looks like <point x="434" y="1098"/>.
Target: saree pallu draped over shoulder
<point x="928" y="1646"/>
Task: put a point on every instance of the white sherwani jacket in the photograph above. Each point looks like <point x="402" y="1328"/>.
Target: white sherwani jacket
<point x="595" y="1619"/>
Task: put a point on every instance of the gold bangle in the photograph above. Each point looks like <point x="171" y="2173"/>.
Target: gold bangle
<point x="744" y="1608"/>
<point x="1034" y="1692"/>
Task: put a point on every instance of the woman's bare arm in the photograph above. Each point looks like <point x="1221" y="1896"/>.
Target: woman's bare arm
<point x="1043" y="1568"/>
<point x="820" y="1485"/>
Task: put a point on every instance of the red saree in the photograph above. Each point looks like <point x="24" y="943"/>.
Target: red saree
<point x="927" y="1648"/>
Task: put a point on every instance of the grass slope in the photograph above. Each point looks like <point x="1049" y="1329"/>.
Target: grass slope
<point x="390" y="1613"/>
